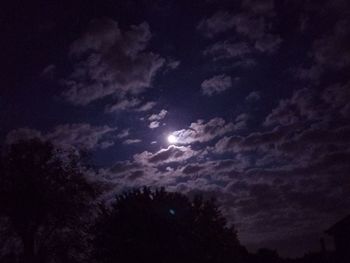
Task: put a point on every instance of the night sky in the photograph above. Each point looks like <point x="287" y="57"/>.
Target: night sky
<point x="256" y="96"/>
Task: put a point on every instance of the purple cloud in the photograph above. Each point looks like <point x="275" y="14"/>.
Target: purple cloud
<point x="216" y="85"/>
<point x="110" y="61"/>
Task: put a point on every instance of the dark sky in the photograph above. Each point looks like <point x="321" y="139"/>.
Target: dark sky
<point x="256" y="93"/>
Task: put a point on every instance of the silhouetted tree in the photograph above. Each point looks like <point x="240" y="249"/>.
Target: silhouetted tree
<point x="159" y="226"/>
<point x="267" y="255"/>
<point x="43" y="196"/>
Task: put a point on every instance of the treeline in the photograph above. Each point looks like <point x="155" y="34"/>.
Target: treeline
<point x="51" y="211"/>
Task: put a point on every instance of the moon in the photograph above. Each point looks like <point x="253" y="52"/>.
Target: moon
<point x="172" y="139"/>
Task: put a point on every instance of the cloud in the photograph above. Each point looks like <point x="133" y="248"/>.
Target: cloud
<point x="173" y="64"/>
<point x="309" y="104"/>
<point x="302" y="106"/>
<point x="190" y="169"/>
<point x="122" y="105"/>
<point x="132" y="141"/>
<point x="332" y="50"/>
<point x="253" y="96"/>
<point x="157" y="117"/>
<point x="200" y="131"/>
<point x="269" y="43"/>
<point x="252" y="142"/>
<point x="48" y="71"/>
<point x="303" y="133"/>
<point x="227" y="50"/>
<point x="81" y="135"/>
<point x="217" y="23"/>
<point x="154" y="124"/>
<point x="251" y="25"/>
<point x="147" y="106"/>
<point x="329" y="51"/>
<point x="241" y="121"/>
<point x="130" y="104"/>
<point x="171" y="154"/>
<point x="110" y="61"/>
<point x="258" y="6"/>
<point x="216" y="85"/>
<point x="228" y="143"/>
<point x="244" y="23"/>
<point x="124" y="133"/>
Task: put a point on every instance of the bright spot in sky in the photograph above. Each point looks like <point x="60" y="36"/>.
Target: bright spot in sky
<point x="172" y="139"/>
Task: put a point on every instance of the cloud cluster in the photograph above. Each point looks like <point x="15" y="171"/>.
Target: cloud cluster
<point x="201" y="131"/>
<point x="227" y="49"/>
<point x="81" y="135"/>
<point x="251" y="24"/>
<point x="171" y="154"/>
<point x="330" y="51"/>
<point x="309" y="104"/>
<point x="156" y="118"/>
<point x="109" y="61"/>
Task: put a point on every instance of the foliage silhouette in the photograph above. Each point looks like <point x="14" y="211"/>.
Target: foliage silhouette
<point x="44" y="197"/>
<point x="158" y="226"/>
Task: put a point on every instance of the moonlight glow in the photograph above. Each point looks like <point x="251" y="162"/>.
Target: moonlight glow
<point x="172" y="139"/>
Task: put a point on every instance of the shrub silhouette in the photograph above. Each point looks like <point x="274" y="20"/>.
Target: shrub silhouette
<point x="159" y="226"/>
<point x="44" y="197"/>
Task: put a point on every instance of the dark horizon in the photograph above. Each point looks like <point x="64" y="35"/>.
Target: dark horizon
<point x="246" y="101"/>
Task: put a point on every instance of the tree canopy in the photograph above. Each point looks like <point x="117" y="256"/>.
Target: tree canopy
<point x="44" y="194"/>
<point x="158" y="226"/>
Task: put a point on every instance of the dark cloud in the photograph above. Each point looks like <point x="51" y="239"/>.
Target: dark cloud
<point x="295" y="163"/>
<point x="241" y="121"/>
<point x="110" y="61"/>
<point x="258" y="6"/>
<point x="227" y="50"/>
<point x="217" y="23"/>
<point x="253" y="96"/>
<point x="189" y="169"/>
<point x="333" y="50"/>
<point x="81" y="135"/>
<point x="310" y="105"/>
<point x="269" y="43"/>
<point x="123" y="104"/>
<point x="330" y="51"/>
<point x="252" y="25"/>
